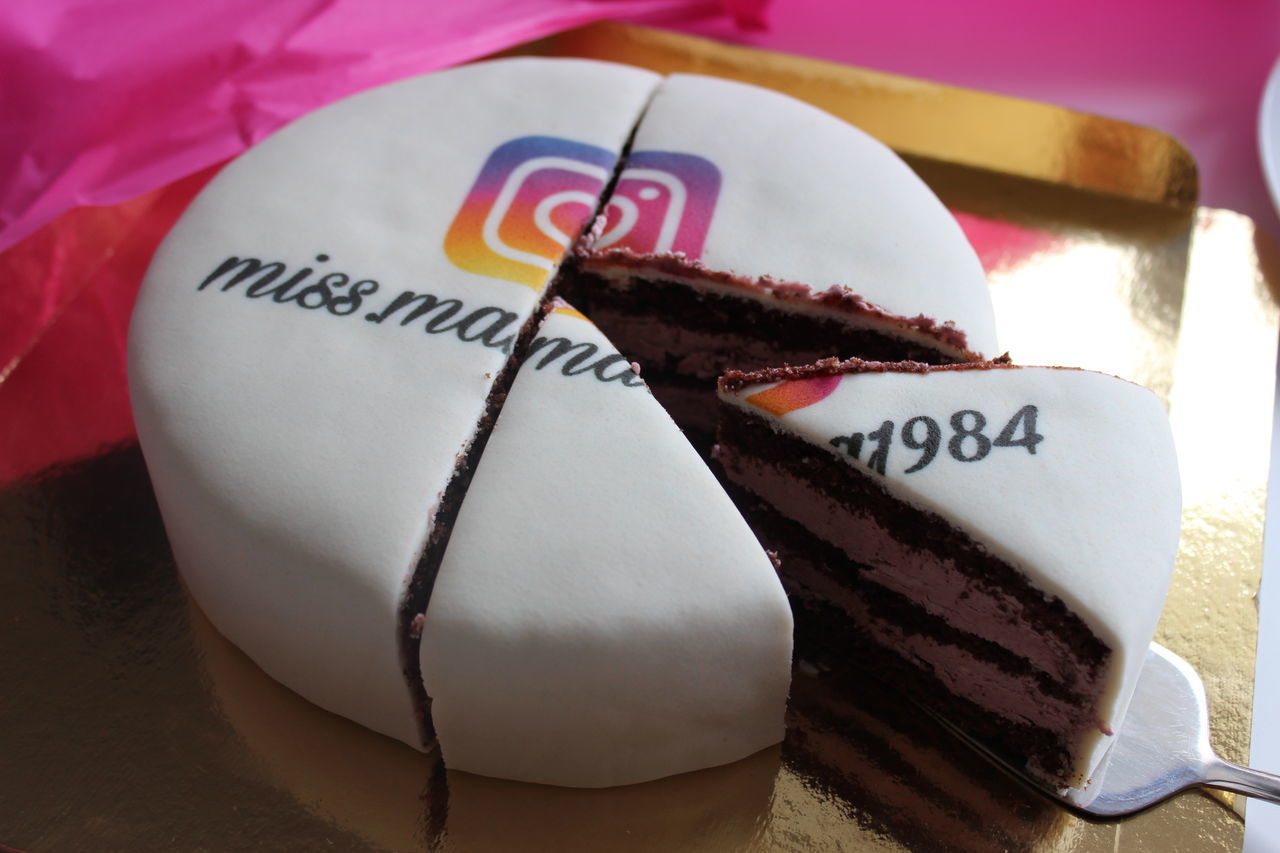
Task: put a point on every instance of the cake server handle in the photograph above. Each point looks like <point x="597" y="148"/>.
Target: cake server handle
<point x="1241" y="780"/>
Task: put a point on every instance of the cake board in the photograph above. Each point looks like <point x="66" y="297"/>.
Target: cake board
<point x="134" y="724"/>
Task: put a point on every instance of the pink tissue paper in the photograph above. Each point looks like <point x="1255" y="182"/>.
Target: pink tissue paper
<point x="102" y="102"/>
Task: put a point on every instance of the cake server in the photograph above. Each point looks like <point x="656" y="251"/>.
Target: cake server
<point x="1162" y="748"/>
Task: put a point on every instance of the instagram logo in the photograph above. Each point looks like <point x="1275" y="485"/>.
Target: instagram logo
<point x="662" y="203"/>
<point x="793" y="394"/>
<point x="533" y="196"/>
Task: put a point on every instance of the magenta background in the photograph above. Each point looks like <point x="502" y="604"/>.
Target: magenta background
<point x="1192" y="68"/>
<point x="102" y="101"/>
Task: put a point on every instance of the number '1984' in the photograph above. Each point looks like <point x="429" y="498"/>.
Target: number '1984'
<point x="967" y="443"/>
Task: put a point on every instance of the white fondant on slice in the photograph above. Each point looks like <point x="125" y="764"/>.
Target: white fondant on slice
<point x="603" y="615"/>
<point x="1091" y="517"/>
<point x="808" y="198"/>
<point x="298" y="448"/>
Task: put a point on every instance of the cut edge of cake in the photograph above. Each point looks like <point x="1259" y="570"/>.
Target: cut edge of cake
<point x="835" y="303"/>
<point x="904" y="529"/>
<point x="747" y="229"/>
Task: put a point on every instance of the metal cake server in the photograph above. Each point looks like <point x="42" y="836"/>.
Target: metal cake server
<point x="1162" y="748"/>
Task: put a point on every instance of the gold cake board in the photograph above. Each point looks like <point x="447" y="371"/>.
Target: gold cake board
<point x="167" y="737"/>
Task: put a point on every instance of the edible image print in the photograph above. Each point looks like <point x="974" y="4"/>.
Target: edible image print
<point x="662" y="204"/>
<point x="786" y="397"/>
<point x="533" y="197"/>
<point x="536" y="194"/>
<point x="967" y="440"/>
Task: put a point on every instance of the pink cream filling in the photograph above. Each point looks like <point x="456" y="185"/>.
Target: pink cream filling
<point x="1011" y="697"/>
<point x="936" y="584"/>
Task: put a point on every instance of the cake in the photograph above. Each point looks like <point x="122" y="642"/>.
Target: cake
<point x="1003" y="537"/>
<point x="748" y="229"/>
<point x="541" y="576"/>
<point x="603" y="614"/>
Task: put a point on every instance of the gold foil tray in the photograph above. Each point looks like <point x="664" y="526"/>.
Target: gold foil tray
<point x="918" y="118"/>
<point x="126" y="722"/>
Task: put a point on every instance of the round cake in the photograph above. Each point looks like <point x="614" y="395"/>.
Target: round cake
<point x="422" y="492"/>
<point x="1007" y="534"/>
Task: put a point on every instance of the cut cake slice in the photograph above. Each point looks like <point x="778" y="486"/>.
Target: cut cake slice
<point x="1006" y="533"/>
<point x="603" y="615"/>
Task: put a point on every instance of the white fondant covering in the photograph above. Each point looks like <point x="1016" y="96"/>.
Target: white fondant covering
<point x="603" y="614"/>
<point x="808" y="198"/>
<point x="1091" y="517"/>
<point x="299" y="453"/>
<point x="298" y="456"/>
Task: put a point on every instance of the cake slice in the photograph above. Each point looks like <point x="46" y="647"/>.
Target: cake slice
<point x="603" y="615"/>
<point x="749" y="229"/>
<point x="318" y="340"/>
<point x="1004" y="535"/>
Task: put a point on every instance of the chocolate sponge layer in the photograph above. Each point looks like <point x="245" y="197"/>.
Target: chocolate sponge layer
<point x="990" y="651"/>
<point x="684" y="337"/>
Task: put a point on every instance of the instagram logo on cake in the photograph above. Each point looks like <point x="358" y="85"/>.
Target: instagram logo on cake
<point x="662" y="204"/>
<point x="793" y="394"/>
<point x="533" y="197"/>
<point x="535" y="194"/>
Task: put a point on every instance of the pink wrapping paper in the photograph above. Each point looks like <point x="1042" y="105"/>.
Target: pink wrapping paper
<point x="105" y="101"/>
<point x="1192" y="68"/>
<point x="115" y="114"/>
